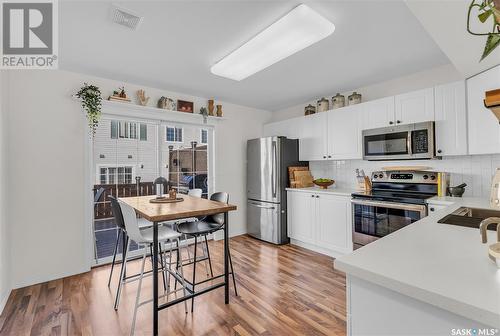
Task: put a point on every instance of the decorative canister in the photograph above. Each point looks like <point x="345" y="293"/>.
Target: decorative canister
<point x="211" y="107"/>
<point x="338" y="101"/>
<point x="219" y="110"/>
<point x="354" y="99"/>
<point x="309" y="109"/>
<point x="323" y="105"/>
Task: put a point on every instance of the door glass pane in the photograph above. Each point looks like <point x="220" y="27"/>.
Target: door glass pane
<point x="119" y="157"/>
<point x="381" y="221"/>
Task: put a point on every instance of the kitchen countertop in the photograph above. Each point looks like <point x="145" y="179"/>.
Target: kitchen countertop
<point x="331" y="191"/>
<point x="442" y="265"/>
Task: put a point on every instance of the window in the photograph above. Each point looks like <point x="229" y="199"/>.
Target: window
<point x="173" y="134"/>
<point x="144" y="132"/>
<point x="128" y="130"/>
<point x="203" y="136"/>
<point x="116" y="175"/>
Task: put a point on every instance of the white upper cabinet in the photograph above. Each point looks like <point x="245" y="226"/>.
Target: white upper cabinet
<point x="344" y="133"/>
<point x="416" y="106"/>
<point x="451" y="119"/>
<point x="483" y="126"/>
<point x="379" y="113"/>
<point x="313" y="137"/>
<point x="288" y="128"/>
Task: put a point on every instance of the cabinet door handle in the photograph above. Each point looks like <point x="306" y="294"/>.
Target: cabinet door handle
<point x="317" y="196"/>
<point x="440" y="151"/>
<point x="329" y="156"/>
<point x="391" y="122"/>
<point x="312" y="195"/>
<point x="432" y="209"/>
<point x="398" y="121"/>
<point x="324" y="156"/>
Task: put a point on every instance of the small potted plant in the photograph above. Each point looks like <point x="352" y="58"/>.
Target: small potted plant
<point x="91" y="100"/>
<point x="204" y="113"/>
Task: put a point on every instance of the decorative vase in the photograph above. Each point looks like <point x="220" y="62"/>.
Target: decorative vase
<point x="309" y="109"/>
<point x="211" y="107"/>
<point x="338" y="101"/>
<point x="354" y="99"/>
<point x="219" y="110"/>
<point x="323" y="105"/>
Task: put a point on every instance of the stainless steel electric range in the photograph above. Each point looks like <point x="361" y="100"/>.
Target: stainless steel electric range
<point x="396" y="200"/>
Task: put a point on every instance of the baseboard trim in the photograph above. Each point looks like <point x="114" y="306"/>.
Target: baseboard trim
<point x="319" y="249"/>
<point x="3" y="300"/>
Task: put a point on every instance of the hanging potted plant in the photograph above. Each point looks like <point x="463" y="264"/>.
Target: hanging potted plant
<point x="486" y="10"/>
<point x="91" y="99"/>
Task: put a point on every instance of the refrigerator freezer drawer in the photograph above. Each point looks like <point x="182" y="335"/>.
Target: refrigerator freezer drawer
<point x="265" y="222"/>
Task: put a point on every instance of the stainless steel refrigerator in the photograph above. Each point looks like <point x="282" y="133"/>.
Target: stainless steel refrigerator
<point x="268" y="160"/>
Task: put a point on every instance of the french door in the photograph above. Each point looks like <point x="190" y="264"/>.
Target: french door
<point x="129" y="154"/>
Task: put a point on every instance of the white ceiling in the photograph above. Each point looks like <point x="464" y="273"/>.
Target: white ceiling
<point x="178" y="42"/>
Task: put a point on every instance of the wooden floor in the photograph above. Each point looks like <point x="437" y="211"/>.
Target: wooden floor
<point x="285" y="290"/>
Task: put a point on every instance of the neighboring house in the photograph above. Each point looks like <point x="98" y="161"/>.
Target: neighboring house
<point x="126" y="149"/>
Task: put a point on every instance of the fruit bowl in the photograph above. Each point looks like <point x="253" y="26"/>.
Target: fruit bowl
<point x="323" y="183"/>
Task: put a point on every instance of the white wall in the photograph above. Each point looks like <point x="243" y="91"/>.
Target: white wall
<point x="5" y="269"/>
<point x="47" y="164"/>
<point x="419" y="80"/>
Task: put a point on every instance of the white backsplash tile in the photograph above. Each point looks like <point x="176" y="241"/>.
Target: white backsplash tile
<point x="475" y="170"/>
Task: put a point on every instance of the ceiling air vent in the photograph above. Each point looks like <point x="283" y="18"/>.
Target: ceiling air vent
<point x="125" y="17"/>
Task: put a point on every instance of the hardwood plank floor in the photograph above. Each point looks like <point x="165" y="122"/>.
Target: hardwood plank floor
<point x="283" y="290"/>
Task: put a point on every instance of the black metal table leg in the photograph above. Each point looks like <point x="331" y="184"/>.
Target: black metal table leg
<point x="155" y="278"/>
<point x="124" y="247"/>
<point x="226" y="259"/>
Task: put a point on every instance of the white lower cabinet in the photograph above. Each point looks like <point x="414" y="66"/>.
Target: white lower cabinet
<point x="320" y="221"/>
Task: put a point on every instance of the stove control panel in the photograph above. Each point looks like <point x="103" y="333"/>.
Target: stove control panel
<point x="405" y="177"/>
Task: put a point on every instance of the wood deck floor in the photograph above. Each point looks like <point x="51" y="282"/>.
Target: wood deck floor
<point x="283" y="290"/>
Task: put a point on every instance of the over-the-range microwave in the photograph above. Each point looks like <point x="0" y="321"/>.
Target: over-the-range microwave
<point x="400" y="142"/>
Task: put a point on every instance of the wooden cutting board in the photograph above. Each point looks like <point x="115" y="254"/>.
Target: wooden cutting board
<point x="291" y="174"/>
<point x="406" y="168"/>
<point x="303" y="179"/>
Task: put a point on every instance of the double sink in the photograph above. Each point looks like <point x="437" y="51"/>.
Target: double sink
<point x="469" y="217"/>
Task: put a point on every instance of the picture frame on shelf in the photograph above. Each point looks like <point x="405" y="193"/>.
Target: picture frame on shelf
<point x="185" y="106"/>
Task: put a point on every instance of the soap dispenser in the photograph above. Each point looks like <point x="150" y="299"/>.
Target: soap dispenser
<point x="495" y="190"/>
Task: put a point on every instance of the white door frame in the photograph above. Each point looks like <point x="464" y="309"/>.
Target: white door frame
<point x="124" y="112"/>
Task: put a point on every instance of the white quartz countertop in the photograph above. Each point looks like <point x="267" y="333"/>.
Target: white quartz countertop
<point x="440" y="264"/>
<point x="330" y="190"/>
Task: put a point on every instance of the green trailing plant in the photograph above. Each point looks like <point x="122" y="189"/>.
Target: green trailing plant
<point x="91" y="99"/>
<point x="487" y="10"/>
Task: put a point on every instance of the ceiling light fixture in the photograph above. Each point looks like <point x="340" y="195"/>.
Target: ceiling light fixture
<point x="295" y="31"/>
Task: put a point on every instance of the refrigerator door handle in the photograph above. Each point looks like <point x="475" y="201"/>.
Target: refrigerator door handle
<point x="273" y="171"/>
<point x="262" y="206"/>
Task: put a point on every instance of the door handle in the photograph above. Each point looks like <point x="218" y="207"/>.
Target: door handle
<point x="262" y="206"/>
<point x="273" y="172"/>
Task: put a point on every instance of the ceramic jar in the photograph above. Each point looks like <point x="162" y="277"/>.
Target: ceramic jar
<point x="323" y="105"/>
<point x="211" y="107"/>
<point x="309" y="109"/>
<point x="354" y="99"/>
<point x="219" y="110"/>
<point x="338" y="101"/>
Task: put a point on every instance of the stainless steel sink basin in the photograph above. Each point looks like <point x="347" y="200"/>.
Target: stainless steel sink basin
<point x="469" y="217"/>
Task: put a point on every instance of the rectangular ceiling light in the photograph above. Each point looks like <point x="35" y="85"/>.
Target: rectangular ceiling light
<point x="295" y="31"/>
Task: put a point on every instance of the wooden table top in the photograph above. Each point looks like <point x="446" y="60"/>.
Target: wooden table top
<point x="190" y="207"/>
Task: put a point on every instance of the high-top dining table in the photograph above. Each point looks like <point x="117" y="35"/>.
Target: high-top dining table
<point x="189" y="207"/>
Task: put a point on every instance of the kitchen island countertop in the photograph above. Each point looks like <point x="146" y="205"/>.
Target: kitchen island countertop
<point x="443" y="265"/>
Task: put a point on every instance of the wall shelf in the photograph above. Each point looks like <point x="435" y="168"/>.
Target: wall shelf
<point x="149" y="112"/>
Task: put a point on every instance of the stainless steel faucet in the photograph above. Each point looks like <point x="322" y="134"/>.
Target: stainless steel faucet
<point x="484" y="226"/>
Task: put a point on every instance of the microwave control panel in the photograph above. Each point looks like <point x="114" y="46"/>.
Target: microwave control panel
<point x="420" y="141"/>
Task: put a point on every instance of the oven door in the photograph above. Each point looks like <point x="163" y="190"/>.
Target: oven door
<point x="388" y="143"/>
<point x="373" y="219"/>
